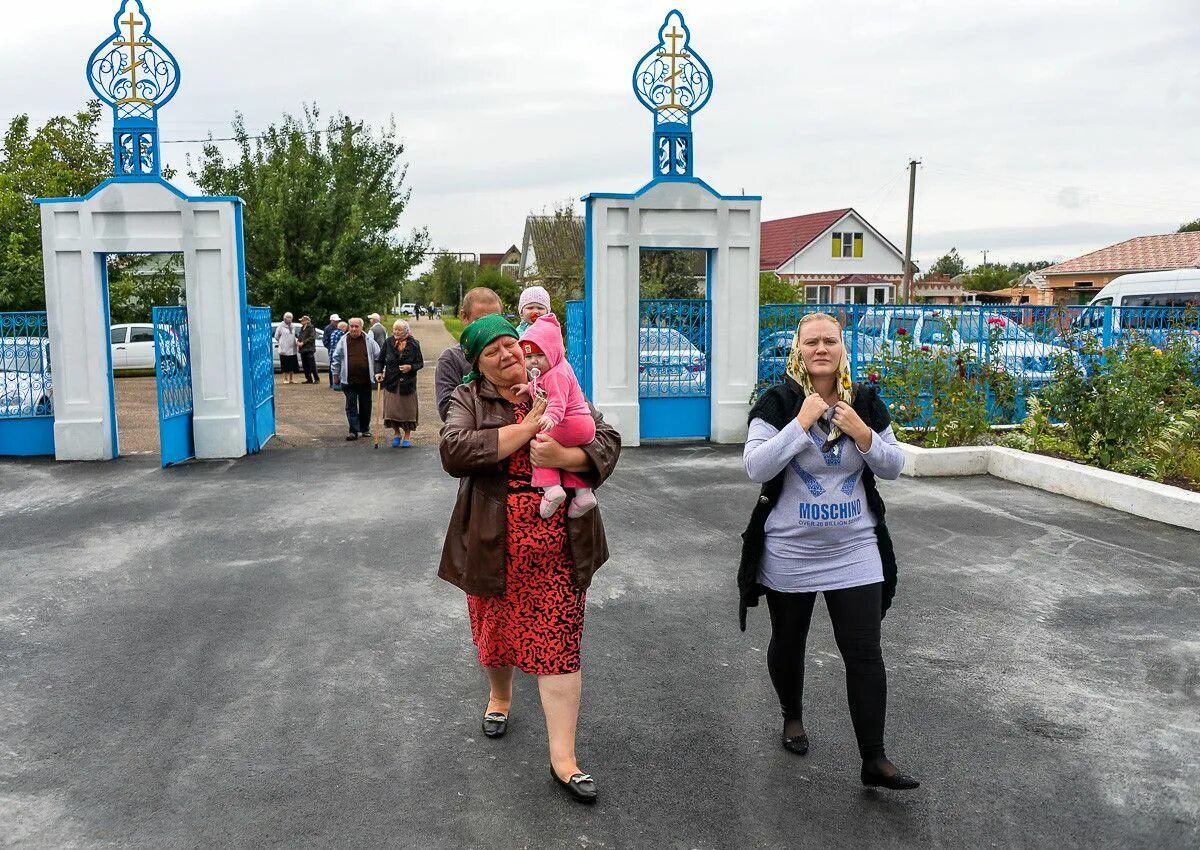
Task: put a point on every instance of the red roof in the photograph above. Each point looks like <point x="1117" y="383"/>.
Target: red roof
<point x="491" y="259"/>
<point x="1142" y="253"/>
<point x="783" y="237"/>
<point x="856" y="279"/>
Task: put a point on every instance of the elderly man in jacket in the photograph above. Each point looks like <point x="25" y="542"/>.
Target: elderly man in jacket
<point x="353" y="364"/>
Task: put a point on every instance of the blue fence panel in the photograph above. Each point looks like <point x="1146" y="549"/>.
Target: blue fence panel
<point x="173" y="371"/>
<point x="26" y="387"/>
<point x="1010" y="351"/>
<point x="673" y="348"/>
<point x="578" y="344"/>
<point x="261" y="362"/>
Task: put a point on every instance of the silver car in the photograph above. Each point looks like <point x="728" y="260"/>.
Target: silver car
<point x="25" y="386"/>
<point x="322" y="352"/>
<point x="669" y="365"/>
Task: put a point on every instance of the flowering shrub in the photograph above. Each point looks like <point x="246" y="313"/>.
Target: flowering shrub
<point x="940" y="396"/>
<point x="1133" y="407"/>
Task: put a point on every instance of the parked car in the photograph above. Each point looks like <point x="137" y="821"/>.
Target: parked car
<point x="1161" y="303"/>
<point x="1017" y="352"/>
<point x="409" y="309"/>
<point x="25" y="385"/>
<point x="773" y="353"/>
<point x="322" y="351"/>
<point x="669" y="365"/>
<point x="132" y="347"/>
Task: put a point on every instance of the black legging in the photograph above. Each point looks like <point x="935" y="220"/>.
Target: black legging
<point x="855" y="612"/>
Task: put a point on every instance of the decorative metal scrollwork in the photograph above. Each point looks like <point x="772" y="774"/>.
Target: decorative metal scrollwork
<point x="671" y="80"/>
<point x="261" y="354"/>
<point x="130" y="70"/>
<point x="172" y="361"/>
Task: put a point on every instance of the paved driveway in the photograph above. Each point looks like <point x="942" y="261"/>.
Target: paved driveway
<point x="190" y="660"/>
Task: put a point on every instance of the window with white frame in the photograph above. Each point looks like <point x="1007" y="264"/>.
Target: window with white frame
<point x="818" y="294"/>
<point x="847" y="243"/>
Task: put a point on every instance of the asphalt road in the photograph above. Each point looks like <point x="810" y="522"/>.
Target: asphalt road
<point x="191" y="660"/>
<point x="306" y="416"/>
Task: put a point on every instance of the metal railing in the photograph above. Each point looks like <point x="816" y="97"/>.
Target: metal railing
<point x="1008" y="352"/>
<point x="673" y="348"/>
<point x="578" y="354"/>
<point x="25" y="376"/>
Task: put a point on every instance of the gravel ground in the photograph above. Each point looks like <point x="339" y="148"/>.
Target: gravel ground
<point x="305" y="416"/>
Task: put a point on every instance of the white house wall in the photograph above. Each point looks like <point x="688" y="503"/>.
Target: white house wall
<point x="674" y="215"/>
<point x="127" y="218"/>
<point x="879" y="258"/>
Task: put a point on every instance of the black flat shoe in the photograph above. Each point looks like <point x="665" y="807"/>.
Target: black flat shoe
<point x="495" y="724"/>
<point x="896" y="782"/>
<point x="581" y="786"/>
<point x="797" y="744"/>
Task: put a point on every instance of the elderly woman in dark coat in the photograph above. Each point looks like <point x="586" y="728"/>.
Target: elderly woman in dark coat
<point x="399" y="359"/>
<point x="525" y="577"/>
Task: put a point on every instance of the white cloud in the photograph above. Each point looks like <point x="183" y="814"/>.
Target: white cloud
<point x="1044" y="127"/>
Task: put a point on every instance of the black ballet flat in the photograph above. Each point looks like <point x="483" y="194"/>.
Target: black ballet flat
<point x="896" y="782"/>
<point x="797" y="744"/>
<point x="495" y="724"/>
<point x="581" y="786"/>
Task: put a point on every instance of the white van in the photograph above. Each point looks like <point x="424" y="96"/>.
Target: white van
<point x="1178" y="288"/>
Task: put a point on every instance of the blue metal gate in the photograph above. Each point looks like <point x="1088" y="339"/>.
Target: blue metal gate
<point x="674" y="358"/>
<point x="26" y="395"/>
<point x="260" y="360"/>
<point x="173" y="369"/>
<point x="578" y="353"/>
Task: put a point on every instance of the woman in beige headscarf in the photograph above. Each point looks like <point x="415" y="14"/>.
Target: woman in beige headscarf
<point x="816" y="444"/>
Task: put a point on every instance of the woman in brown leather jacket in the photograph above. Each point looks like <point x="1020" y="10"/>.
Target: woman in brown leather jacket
<point x="525" y="577"/>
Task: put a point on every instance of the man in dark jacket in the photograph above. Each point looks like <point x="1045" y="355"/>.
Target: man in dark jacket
<point x="306" y="344"/>
<point x="327" y="340"/>
<point x="452" y="365"/>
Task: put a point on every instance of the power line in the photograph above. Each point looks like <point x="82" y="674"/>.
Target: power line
<point x="232" y="138"/>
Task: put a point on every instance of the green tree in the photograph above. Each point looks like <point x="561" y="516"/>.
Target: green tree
<point x="1190" y="226"/>
<point x="672" y="274"/>
<point x="950" y="264"/>
<point x="506" y="287"/>
<point x="63" y="157"/>
<point x="988" y="277"/>
<point x="772" y="290"/>
<point x="322" y="208"/>
<point x="138" y="282"/>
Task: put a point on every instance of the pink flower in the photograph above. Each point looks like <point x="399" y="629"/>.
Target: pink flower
<point x="873" y="377"/>
<point x="997" y="320"/>
<point x="925" y="348"/>
<point x="901" y="331"/>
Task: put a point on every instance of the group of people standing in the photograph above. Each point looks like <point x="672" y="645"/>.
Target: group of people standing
<point x="361" y="362"/>
<point x="816" y="444"/>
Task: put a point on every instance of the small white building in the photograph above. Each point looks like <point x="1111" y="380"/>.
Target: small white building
<point x="834" y="257"/>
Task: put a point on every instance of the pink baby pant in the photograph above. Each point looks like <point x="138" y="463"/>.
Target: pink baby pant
<point x="574" y="431"/>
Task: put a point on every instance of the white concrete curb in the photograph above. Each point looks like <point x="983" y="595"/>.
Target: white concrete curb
<point x="1149" y="499"/>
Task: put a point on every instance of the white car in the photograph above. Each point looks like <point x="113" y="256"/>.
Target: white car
<point x="25" y="386"/>
<point x="322" y="352"/>
<point x="1016" y="351"/>
<point x="132" y="346"/>
<point x="409" y="309"/>
<point x="669" y="366"/>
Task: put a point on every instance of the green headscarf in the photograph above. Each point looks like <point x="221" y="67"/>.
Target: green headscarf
<point x="480" y="334"/>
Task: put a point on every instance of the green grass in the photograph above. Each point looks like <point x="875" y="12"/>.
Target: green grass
<point x="453" y="325"/>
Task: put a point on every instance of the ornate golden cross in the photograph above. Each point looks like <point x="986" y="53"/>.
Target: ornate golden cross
<point x="674" y="35"/>
<point x="133" y="43"/>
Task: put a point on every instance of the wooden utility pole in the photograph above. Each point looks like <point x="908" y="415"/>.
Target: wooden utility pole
<point x="906" y="285"/>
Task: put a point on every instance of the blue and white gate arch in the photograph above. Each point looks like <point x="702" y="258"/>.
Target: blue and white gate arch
<point x="137" y="211"/>
<point x="675" y="210"/>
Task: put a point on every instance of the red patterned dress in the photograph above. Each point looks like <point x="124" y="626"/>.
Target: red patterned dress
<point x="536" y="626"/>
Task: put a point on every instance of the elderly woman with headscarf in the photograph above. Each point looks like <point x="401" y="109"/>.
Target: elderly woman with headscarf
<point x="817" y="443"/>
<point x="525" y="576"/>
<point x="399" y="360"/>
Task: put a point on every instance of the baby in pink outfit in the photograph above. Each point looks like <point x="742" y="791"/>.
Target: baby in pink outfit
<point x="567" y="418"/>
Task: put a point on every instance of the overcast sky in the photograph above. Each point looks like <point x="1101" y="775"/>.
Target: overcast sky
<point x="1046" y="128"/>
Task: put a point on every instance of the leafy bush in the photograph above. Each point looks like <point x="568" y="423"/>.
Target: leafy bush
<point x="1133" y="408"/>
<point x="941" y="396"/>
